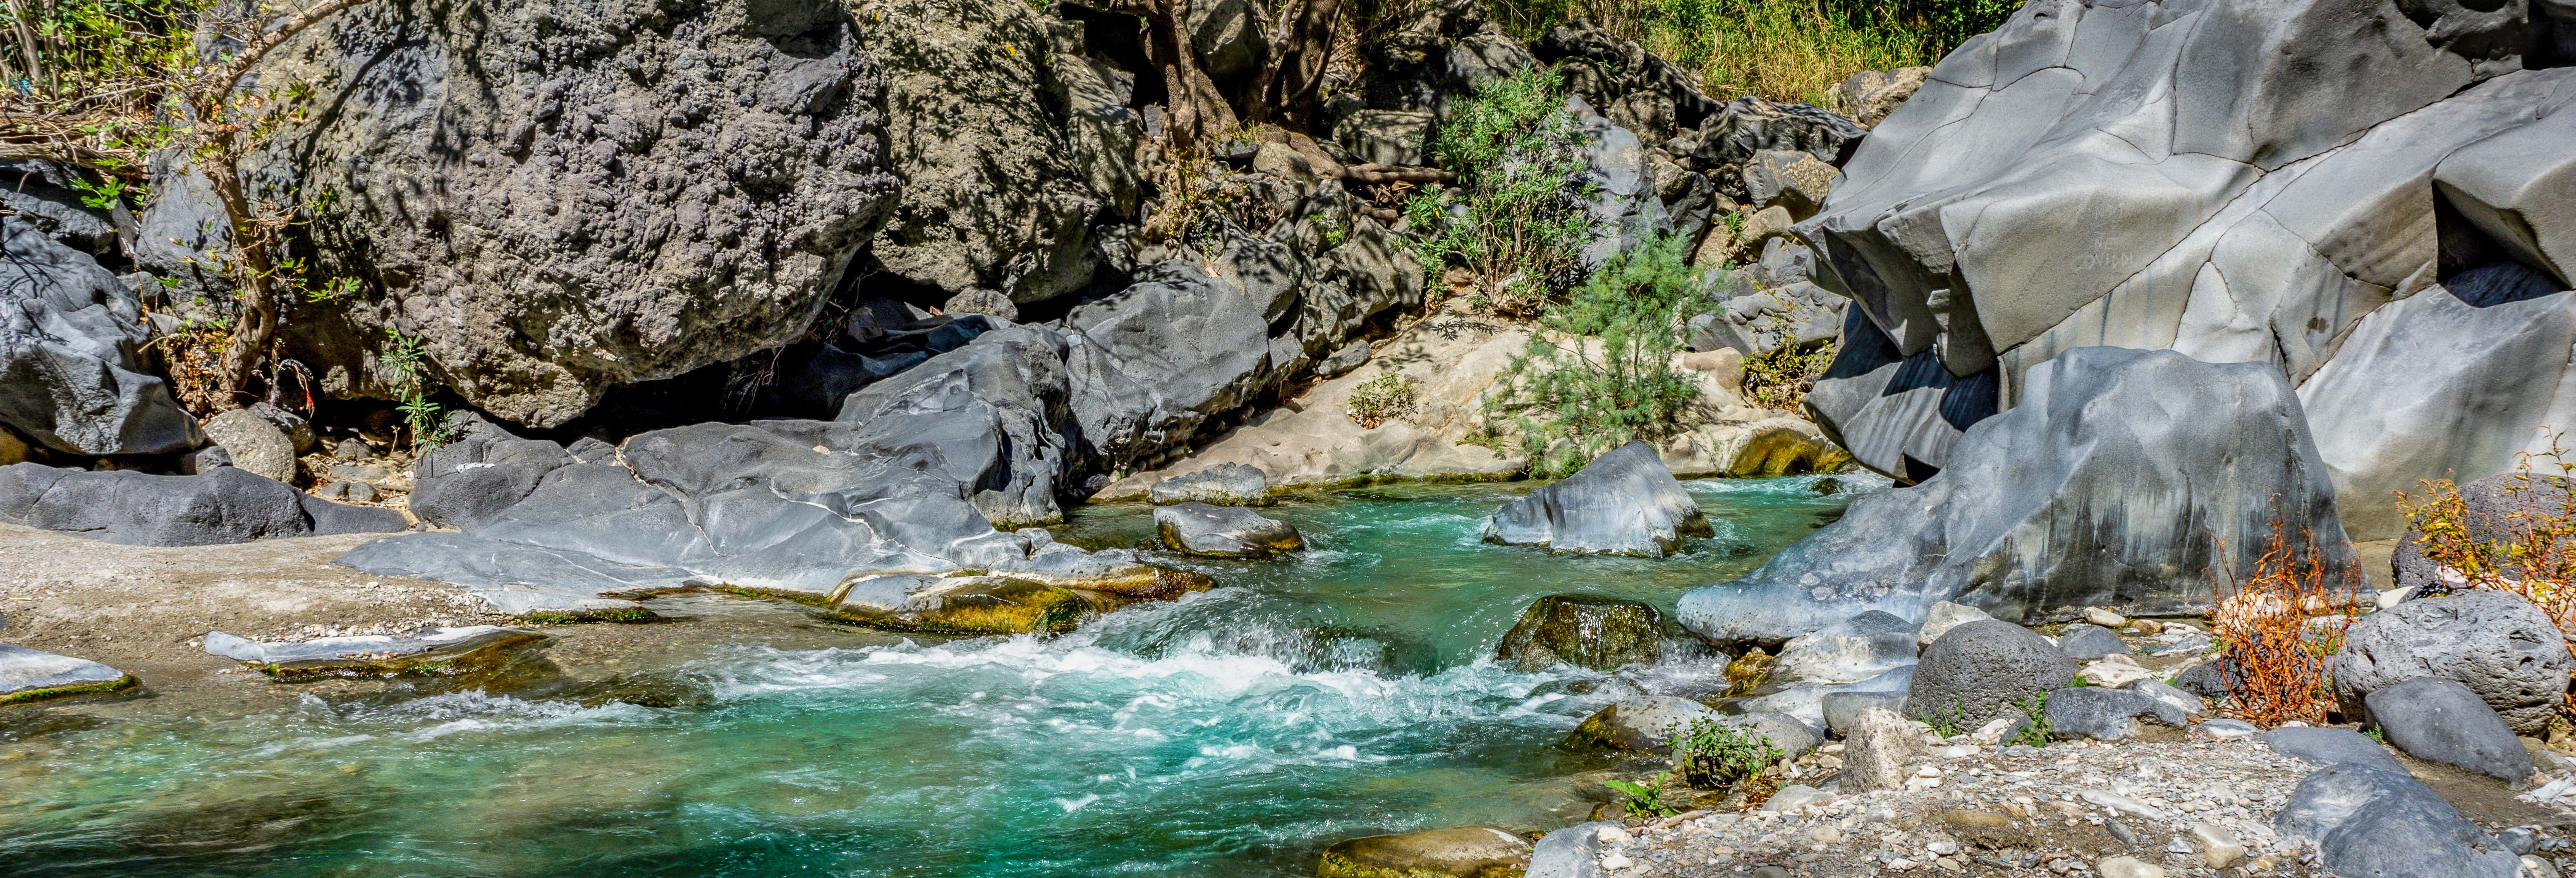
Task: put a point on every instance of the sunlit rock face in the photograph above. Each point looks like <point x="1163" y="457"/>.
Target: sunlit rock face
<point x="2378" y="200"/>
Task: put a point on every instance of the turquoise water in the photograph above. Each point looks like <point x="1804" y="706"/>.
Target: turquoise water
<point x="1239" y="732"/>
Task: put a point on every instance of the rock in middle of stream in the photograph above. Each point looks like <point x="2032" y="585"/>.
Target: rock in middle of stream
<point x="1622" y="503"/>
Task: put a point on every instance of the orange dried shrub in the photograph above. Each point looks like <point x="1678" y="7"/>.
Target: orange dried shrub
<point x="2279" y="624"/>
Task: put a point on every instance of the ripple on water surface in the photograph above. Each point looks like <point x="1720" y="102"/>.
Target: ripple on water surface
<point x="1237" y="732"/>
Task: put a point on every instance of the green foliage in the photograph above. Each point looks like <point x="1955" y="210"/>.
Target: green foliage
<point x="1713" y="755"/>
<point x="1377" y="399"/>
<point x="1330" y="226"/>
<point x="1646" y="799"/>
<point x="104" y="194"/>
<point x="1600" y="372"/>
<point x="1790" y="50"/>
<point x="1949" y="723"/>
<point x="408" y="365"/>
<point x="2376" y="734"/>
<point x="1516" y="221"/>
<point x="2036" y="732"/>
<point x="1780" y="379"/>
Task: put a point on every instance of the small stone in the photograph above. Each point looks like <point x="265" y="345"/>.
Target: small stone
<point x="2110" y="674"/>
<point x="2128" y="867"/>
<point x="1824" y="835"/>
<point x="2121" y="831"/>
<point x="1791" y="797"/>
<point x="2520" y="840"/>
<point x="2104" y="618"/>
<point x="2147" y="626"/>
<point x="2226" y="729"/>
<point x="2535" y="867"/>
<point x="1614" y="861"/>
<point x="2217" y="844"/>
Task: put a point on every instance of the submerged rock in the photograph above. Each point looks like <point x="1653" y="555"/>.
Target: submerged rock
<point x="1599" y="633"/>
<point x="2089" y="493"/>
<point x="1463" y="852"/>
<point x="438" y="651"/>
<point x="1643" y="724"/>
<point x="1624" y="502"/>
<point x="966" y="605"/>
<point x="1225" y="484"/>
<point x="1224" y="531"/>
<point x="29" y="675"/>
<point x="224" y="505"/>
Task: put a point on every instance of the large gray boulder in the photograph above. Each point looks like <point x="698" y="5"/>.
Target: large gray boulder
<point x="1599" y="633"/>
<point x="1637" y="89"/>
<point x="2371" y="820"/>
<point x="69" y="376"/>
<point x="878" y="512"/>
<point x="1849" y="651"/>
<point x="2439" y="720"/>
<point x="1982" y="670"/>
<point x="2493" y="642"/>
<point x="224" y="505"/>
<point x="1224" y="531"/>
<point x="1623" y="502"/>
<point x="2090" y="174"/>
<point x="2093" y="492"/>
<point x="560" y="196"/>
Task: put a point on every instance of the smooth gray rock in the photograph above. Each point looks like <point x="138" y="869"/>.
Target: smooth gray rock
<point x="369" y="652"/>
<point x="1225" y="484"/>
<point x="70" y="378"/>
<point x="1350" y="356"/>
<point x="1943" y="616"/>
<point x="27" y="674"/>
<point x="298" y="430"/>
<point x="2089" y="642"/>
<point x="2371" y="820"/>
<point x="2088" y="494"/>
<point x="2250" y="210"/>
<point x="1623" y="502"/>
<point x="1841" y="708"/>
<point x="909" y="482"/>
<point x="1224" y="531"/>
<point x="1983" y="670"/>
<point x="224" y="505"/>
<point x="2493" y="642"/>
<point x="1849" y="651"/>
<point x="2189" y="704"/>
<point x="2107" y="714"/>
<point x="2439" y="720"/>
<point x="2331" y="747"/>
<point x="557" y="196"/>
<point x="254" y="444"/>
<point x="1572" y="852"/>
<point x="1642" y="724"/>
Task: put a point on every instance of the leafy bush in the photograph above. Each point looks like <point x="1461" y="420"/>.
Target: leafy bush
<point x="2278" y="658"/>
<point x="2035" y="730"/>
<point x="1515" y="221"/>
<point x="1789" y="50"/>
<point x="409" y="366"/>
<point x="1644" y="799"/>
<point x="1713" y="755"/>
<point x="1377" y="399"/>
<point x="1600" y="370"/>
<point x="2535" y="557"/>
<point x="1780" y="379"/>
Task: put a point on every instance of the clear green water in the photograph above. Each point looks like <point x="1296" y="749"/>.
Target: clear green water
<point x="1236" y="733"/>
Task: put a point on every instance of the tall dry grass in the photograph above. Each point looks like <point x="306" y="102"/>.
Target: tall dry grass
<point x="2279" y="623"/>
<point x="1786" y="50"/>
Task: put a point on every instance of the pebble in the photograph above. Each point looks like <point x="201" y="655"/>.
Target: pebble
<point x="2128" y="867"/>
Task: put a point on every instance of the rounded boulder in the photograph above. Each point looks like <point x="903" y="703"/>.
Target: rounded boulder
<point x="1982" y="670"/>
<point x="1583" y="630"/>
<point x="2495" y="643"/>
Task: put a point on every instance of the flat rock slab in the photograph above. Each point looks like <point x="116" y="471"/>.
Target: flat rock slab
<point x="434" y="650"/>
<point x="27" y="675"/>
<point x="2331" y="747"/>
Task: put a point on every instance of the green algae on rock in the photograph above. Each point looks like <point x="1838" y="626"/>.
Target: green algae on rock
<point x="1456" y="852"/>
<point x="443" y="652"/>
<point x="1583" y="630"/>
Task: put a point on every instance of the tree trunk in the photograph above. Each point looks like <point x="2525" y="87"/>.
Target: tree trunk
<point x="256" y="324"/>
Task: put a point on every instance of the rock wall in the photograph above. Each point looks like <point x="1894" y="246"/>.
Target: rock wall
<point x="2205" y="177"/>
<point x="70" y="379"/>
<point x="563" y="195"/>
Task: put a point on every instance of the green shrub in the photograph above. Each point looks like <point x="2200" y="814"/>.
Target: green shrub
<point x="1644" y="799"/>
<point x="1515" y="221"/>
<point x="1377" y="399"/>
<point x="1712" y="755"/>
<point x="2036" y="732"/>
<point x="1600" y="371"/>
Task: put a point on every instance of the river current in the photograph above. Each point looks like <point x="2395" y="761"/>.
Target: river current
<point x="1347" y="691"/>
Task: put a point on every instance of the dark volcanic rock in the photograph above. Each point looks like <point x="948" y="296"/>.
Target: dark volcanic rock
<point x="1982" y="670"/>
<point x="2330" y="747"/>
<point x="1624" y="502"/>
<point x="559" y="196"/>
<point x="2438" y="720"/>
<point x="1593" y="632"/>
<point x="2370" y="820"/>
<point x="2107" y="714"/>
<point x="69" y="378"/>
<point x="2092" y="492"/>
<point x="225" y="505"/>
<point x="2493" y="642"/>
<point x="1224" y="531"/>
<point x="2088" y="642"/>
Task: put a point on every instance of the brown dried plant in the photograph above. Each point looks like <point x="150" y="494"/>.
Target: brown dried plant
<point x="2279" y="623"/>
